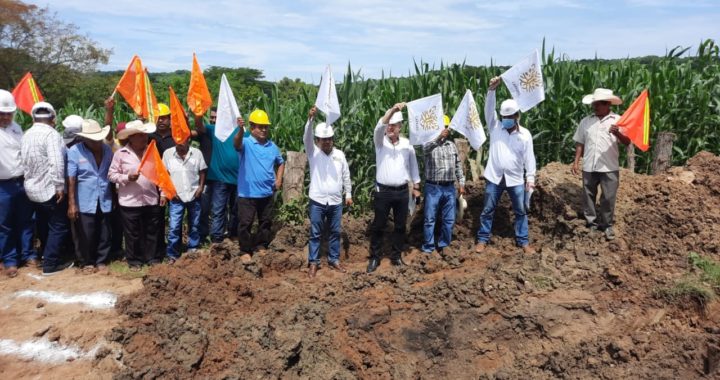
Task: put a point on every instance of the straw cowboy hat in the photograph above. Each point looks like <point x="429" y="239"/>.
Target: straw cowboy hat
<point x="91" y="130"/>
<point x="602" y="94"/>
<point x="134" y="127"/>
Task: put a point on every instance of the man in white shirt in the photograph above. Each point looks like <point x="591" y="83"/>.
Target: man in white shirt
<point x="187" y="169"/>
<point x="596" y="141"/>
<point x="329" y="177"/>
<point x="395" y="166"/>
<point x="43" y="158"/>
<point x="510" y="167"/>
<point x="16" y="224"/>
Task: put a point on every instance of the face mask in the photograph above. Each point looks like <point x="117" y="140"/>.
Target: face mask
<point x="508" y="123"/>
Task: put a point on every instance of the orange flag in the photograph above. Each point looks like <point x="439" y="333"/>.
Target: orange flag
<point x="635" y="122"/>
<point x="150" y="107"/>
<point x="135" y="87"/>
<point x="151" y="166"/>
<point x="198" y="98"/>
<point x="178" y="120"/>
<point x="27" y="93"/>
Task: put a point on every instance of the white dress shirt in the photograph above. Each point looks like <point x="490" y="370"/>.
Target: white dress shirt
<point x="43" y="158"/>
<point x="10" y="147"/>
<point x="329" y="173"/>
<point x="395" y="164"/>
<point x="184" y="173"/>
<point x="601" y="151"/>
<point x="511" y="154"/>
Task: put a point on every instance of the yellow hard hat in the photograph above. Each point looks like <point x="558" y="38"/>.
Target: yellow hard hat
<point x="163" y="109"/>
<point x="446" y="119"/>
<point x="259" y="117"/>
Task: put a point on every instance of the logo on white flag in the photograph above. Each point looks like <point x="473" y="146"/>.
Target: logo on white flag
<point x="327" y="100"/>
<point x="525" y="82"/>
<point x="425" y="118"/>
<point x="467" y="121"/>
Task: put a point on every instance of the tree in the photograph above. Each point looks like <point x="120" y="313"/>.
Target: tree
<point x="34" y="39"/>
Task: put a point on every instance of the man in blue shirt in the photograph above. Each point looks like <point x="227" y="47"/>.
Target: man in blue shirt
<point x="221" y="183"/>
<point x="258" y="158"/>
<point x="90" y="194"/>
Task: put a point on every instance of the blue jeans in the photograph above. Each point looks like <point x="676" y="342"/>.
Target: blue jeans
<point x="222" y="198"/>
<point x="53" y="228"/>
<point x="205" y="203"/>
<point x="492" y="197"/>
<point x="322" y="216"/>
<point x="177" y="212"/>
<point x="438" y="198"/>
<point x="16" y="224"/>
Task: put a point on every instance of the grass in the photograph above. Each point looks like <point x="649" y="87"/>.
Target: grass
<point x="122" y="269"/>
<point x="701" y="285"/>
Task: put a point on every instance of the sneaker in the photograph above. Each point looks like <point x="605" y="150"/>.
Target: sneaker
<point x="609" y="233"/>
<point x="57" y="269"/>
<point x="33" y="263"/>
<point x="88" y="269"/>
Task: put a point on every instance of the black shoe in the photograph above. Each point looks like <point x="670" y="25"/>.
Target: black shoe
<point x="57" y="269"/>
<point x="398" y="262"/>
<point x="372" y="265"/>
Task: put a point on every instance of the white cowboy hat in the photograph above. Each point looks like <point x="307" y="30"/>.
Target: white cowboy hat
<point x="602" y="94"/>
<point x="509" y="107"/>
<point x="323" y="131"/>
<point x="91" y="130"/>
<point x="135" y="126"/>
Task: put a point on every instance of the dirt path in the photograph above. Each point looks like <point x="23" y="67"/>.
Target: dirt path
<point x="54" y="327"/>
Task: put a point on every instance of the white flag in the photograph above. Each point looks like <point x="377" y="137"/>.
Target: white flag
<point x="467" y="121"/>
<point x="327" y="100"/>
<point x="525" y="82"/>
<point x="425" y="118"/>
<point x="227" y="111"/>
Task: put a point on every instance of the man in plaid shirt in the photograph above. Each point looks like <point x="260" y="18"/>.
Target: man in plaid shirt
<point x="442" y="170"/>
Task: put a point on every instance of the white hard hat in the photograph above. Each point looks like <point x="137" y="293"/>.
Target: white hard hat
<point x="73" y="125"/>
<point x="509" y="108"/>
<point x="323" y="131"/>
<point x="7" y="102"/>
<point x="396" y="118"/>
<point x="42" y="108"/>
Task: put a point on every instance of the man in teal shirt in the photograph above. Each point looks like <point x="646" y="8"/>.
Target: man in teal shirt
<point x="221" y="184"/>
<point x="257" y="180"/>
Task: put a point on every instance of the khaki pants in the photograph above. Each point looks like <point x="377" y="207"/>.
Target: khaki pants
<point x="604" y="216"/>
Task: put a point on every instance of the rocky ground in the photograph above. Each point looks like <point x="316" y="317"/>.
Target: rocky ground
<point x="580" y="308"/>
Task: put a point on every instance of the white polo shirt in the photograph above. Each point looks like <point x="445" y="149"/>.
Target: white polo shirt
<point x="601" y="151"/>
<point x="10" y="148"/>
<point x="329" y="173"/>
<point x="395" y="164"/>
<point x="511" y="155"/>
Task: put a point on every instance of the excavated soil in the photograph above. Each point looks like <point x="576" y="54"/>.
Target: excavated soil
<point x="580" y="308"/>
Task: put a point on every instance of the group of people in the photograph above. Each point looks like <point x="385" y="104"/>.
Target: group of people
<point x="82" y="191"/>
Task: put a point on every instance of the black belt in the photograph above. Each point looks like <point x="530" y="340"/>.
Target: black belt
<point x="441" y="183"/>
<point x="392" y="188"/>
<point x="14" y="179"/>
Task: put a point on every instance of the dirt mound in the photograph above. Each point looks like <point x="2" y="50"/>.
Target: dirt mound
<point x="580" y="308"/>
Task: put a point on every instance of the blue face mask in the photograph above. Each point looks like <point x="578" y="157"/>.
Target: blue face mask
<point x="508" y="123"/>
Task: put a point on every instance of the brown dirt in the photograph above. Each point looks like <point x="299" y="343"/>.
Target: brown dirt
<point x="580" y="308"/>
<point x="77" y="325"/>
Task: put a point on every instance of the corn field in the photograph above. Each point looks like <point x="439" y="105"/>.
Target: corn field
<point x="684" y="97"/>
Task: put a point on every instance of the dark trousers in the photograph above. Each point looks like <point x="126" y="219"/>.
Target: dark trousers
<point x="386" y="200"/>
<point x="603" y="216"/>
<point x="74" y="245"/>
<point x="247" y="209"/>
<point x="161" y="243"/>
<point x="52" y="227"/>
<point x="95" y="237"/>
<point x="116" y="230"/>
<point x="16" y="223"/>
<point x="140" y="226"/>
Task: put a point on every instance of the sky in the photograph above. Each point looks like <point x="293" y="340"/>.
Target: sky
<point x="297" y="39"/>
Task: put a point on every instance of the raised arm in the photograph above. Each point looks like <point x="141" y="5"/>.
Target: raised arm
<point x="382" y="124"/>
<point x="238" y="139"/>
<point x="308" y="135"/>
<point x="490" y="114"/>
<point x="200" y="125"/>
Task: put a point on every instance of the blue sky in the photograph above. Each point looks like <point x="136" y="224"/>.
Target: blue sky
<point x="299" y="38"/>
